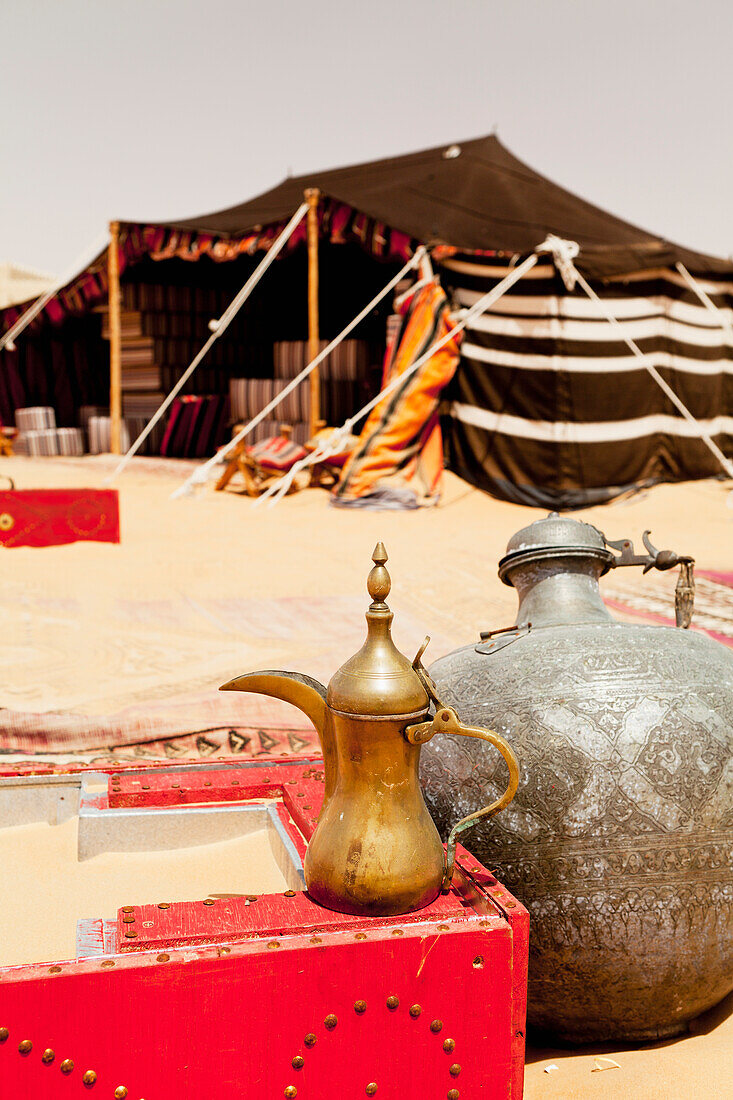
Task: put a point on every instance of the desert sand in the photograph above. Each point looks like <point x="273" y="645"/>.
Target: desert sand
<point x="204" y="588"/>
<point x="42" y="874"/>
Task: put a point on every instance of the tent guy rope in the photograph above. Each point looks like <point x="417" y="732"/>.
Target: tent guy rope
<point x="709" y="304"/>
<point x="334" y="443"/>
<point x="201" y="475"/>
<point x="663" y="385"/>
<point x="91" y="253"/>
<point x="218" y="329"/>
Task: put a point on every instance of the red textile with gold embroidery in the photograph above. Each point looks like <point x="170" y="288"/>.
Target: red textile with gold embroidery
<point x="53" y="517"/>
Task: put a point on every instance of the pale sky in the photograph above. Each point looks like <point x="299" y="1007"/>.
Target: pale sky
<point x="157" y="109"/>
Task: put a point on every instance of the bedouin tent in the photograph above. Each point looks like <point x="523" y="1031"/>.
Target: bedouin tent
<point x="548" y="406"/>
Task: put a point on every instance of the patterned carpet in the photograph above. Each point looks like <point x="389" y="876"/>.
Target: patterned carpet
<point x="713" y="604"/>
<point x="174" y="717"/>
<point x="199" y="723"/>
<point x="119" y="649"/>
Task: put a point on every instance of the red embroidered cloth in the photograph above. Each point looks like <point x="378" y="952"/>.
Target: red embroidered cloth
<point x="54" y="517"/>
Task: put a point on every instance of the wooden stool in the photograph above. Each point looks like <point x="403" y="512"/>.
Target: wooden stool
<point x="7" y="435"/>
<point x="257" y="478"/>
<point x="325" y="474"/>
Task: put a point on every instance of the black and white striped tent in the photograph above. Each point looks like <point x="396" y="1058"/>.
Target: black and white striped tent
<point x="549" y="407"/>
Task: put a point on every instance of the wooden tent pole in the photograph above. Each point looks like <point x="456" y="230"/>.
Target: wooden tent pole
<point x="115" y="339"/>
<point x="312" y="196"/>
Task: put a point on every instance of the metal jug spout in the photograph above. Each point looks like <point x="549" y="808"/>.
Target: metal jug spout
<point x="305" y="693"/>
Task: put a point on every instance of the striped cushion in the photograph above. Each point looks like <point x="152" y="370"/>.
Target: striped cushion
<point x="35" y="419"/>
<point x="70" y="441"/>
<point x="41" y="441"/>
<point x="277" y="453"/>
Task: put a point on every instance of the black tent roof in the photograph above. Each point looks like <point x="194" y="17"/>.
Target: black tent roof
<point x="474" y="195"/>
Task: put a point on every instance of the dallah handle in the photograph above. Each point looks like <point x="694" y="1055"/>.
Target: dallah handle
<point x="446" y="720"/>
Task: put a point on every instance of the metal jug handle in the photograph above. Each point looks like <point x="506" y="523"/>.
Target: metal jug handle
<point x="446" y="720"/>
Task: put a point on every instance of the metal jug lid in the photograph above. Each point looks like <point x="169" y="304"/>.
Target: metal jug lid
<point x="553" y="537"/>
<point x="378" y="681"/>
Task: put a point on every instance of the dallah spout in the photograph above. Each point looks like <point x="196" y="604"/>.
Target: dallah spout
<point x="303" y="692"/>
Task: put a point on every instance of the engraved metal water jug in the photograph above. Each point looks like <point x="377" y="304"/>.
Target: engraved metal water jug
<point x="375" y="850"/>
<point x="620" y="838"/>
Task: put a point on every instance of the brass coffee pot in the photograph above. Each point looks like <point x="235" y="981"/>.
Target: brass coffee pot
<point x="375" y="850"/>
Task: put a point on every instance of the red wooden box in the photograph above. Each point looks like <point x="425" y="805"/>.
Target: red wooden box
<point x="261" y="995"/>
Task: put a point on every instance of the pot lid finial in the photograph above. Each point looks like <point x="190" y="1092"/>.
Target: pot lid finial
<point x="378" y="681"/>
<point x="379" y="582"/>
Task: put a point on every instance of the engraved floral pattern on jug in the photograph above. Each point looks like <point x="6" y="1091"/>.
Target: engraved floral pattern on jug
<point x="619" y="839"/>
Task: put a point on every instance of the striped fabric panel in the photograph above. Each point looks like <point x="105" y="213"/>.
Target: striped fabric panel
<point x="542" y="281"/>
<point x="98" y="434"/>
<point x="398" y="459"/>
<point x="347" y="361"/>
<point x="250" y="395"/>
<point x="134" y="425"/>
<point x="142" y="404"/>
<point x="86" y="412"/>
<point x="662" y="327"/>
<point x="608" y="431"/>
<point x="584" y="309"/>
<point x="99" y="428"/>
<point x="549" y="407"/>
<point x="615" y="364"/>
<point x="291" y="356"/>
